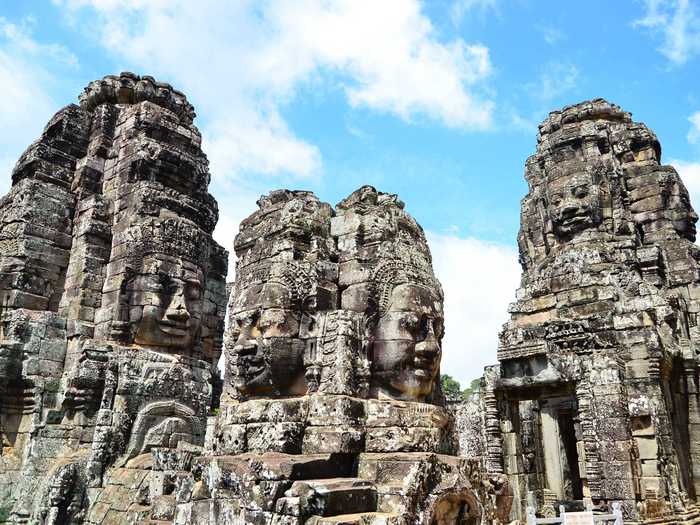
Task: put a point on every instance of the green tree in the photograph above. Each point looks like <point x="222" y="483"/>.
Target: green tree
<point x="450" y="387"/>
<point x="473" y="387"/>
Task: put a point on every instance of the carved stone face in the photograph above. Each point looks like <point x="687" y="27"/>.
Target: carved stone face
<point x="681" y="212"/>
<point x="573" y="203"/>
<point x="268" y="353"/>
<point x="171" y="297"/>
<point x="406" y="348"/>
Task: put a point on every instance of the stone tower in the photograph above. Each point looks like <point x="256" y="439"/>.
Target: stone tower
<point x="112" y="293"/>
<point x="331" y="394"/>
<point x="595" y="396"/>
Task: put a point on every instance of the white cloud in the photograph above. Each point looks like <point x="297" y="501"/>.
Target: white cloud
<point x="241" y="62"/>
<point x="524" y="124"/>
<point x="690" y="173"/>
<point x="555" y="79"/>
<point x="694" y="133"/>
<point x="25" y="105"/>
<point x="479" y="279"/>
<point x="260" y="143"/>
<point x="678" y="24"/>
<point x="19" y="36"/>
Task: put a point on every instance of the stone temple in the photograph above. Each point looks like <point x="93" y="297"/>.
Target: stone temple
<point x="595" y="397"/>
<point x="330" y="410"/>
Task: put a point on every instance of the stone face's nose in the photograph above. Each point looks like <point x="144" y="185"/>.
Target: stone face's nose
<point x="177" y="310"/>
<point x="570" y="208"/>
<point x="245" y="346"/>
<point x="429" y="348"/>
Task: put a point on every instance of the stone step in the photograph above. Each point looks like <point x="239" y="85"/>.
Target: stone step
<point x="278" y="466"/>
<point x="361" y="518"/>
<point x="329" y="497"/>
<point x="391" y="497"/>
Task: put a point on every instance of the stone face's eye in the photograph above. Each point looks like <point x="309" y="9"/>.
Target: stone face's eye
<point x="580" y="191"/>
<point x="269" y="319"/>
<point x="438" y="328"/>
<point x="555" y="199"/>
<point x="424" y="328"/>
<point x="410" y="323"/>
<point x="264" y="323"/>
<point x="246" y="320"/>
<point x="193" y="290"/>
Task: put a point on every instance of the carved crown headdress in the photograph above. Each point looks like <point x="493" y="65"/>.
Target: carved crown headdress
<point x="172" y="237"/>
<point x="388" y="275"/>
<point x="293" y="276"/>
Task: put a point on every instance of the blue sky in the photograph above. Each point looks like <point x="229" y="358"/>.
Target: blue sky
<point x="437" y="101"/>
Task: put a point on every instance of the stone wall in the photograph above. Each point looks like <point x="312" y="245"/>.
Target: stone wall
<point x="112" y="306"/>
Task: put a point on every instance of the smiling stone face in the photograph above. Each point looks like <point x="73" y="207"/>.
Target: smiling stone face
<point x="406" y="348"/>
<point x="267" y="352"/>
<point x="171" y="297"/>
<point x="573" y="203"/>
<point x="680" y="211"/>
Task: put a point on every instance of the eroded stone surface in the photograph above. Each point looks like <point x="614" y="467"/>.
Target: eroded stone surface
<point x="594" y="396"/>
<point x="113" y="298"/>
<point x="113" y="301"/>
<point x="334" y="346"/>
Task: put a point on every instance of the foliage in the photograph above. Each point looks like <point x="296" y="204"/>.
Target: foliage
<point x="473" y="387"/>
<point x="453" y="390"/>
<point x="450" y="387"/>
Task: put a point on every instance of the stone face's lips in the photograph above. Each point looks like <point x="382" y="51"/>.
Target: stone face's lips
<point x="174" y="330"/>
<point x="424" y="372"/>
<point x="576" y="219"/>
<point x="424" y="364"/>
<point x="251" y="366"/>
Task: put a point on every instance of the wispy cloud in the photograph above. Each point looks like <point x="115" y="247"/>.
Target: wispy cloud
<point x="242" y="63"/>
<point x="555" y="79"/>
<point x="26" y="78"/>
<point x="690" y="170"/>
<point x="690" y="173"/>
<point x="461" y="8"/>
<point x="256" y="56"/>
<point x="525" y="124"/>
<point x="694" y="133"/>
<point x="19" y="37"/>
<point x="551" y="35"/>
<point x="677" y="23"/>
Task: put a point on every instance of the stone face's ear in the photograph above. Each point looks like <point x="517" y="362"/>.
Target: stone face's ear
<point x="122" y="330"/>
<point x="308" y="305"/>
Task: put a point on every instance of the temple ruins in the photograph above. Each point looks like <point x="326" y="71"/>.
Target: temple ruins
<point x="329" y="410"/>
<point x="595" y="398"/>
